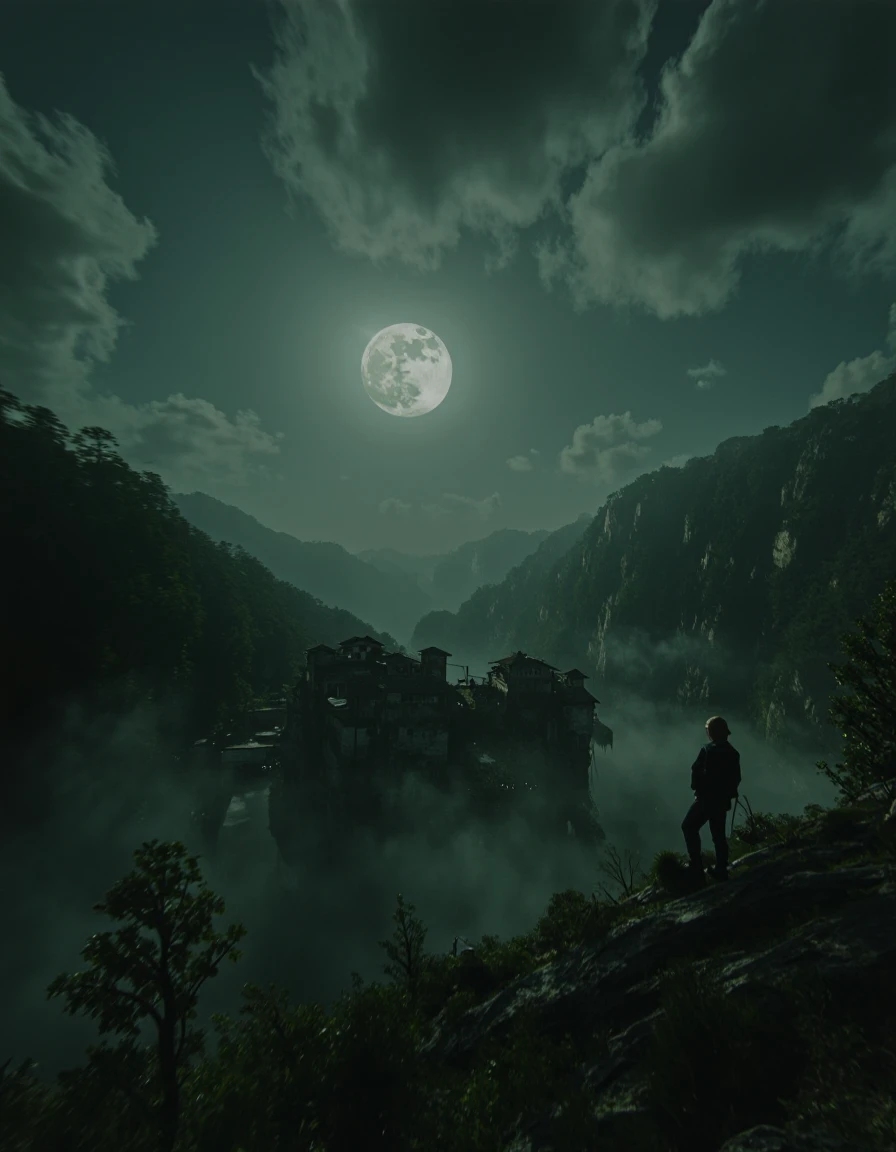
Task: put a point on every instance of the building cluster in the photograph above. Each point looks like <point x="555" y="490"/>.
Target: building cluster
<point x="362" y="703"/>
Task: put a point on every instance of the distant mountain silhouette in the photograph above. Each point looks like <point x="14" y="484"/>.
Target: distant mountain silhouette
<point x="391" y="601"/>
<point x="450" y="578"/>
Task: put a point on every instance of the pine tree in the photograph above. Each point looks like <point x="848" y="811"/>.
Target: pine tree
<point x="405" y="949"/>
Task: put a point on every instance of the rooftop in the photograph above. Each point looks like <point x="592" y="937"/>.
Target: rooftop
<point x="360" y="640"/>
<point x="522" y="658"/>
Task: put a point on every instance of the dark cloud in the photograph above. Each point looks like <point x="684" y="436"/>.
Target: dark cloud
<point x="609" y="449"/>
<point x="776" y="130"/>
<point x="66" y="237"/>
<point x="406" y="123"/>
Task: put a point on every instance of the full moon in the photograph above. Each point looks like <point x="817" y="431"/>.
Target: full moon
<point x="406" y="370"/>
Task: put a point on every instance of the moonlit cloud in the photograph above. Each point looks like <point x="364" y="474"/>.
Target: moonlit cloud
<point x="520" y="464"/>
<point x="505" y="107"/>
<point x="609" y="449"/>
<point x="188" y="440"/>
<point x="525" y="121"/>
<point x="449" y="505"/>
<point x="394" y="507"/>
<point x="789" y="157"/>
<point x="707" y="374"/>
<point x="861" y="374"/>
<point x="66" y="238"/>
<point x="678" y="461"/>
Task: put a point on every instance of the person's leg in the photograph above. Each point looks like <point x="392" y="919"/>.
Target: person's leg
<point x="720" y="842"/>
<point x="690" y="826"/>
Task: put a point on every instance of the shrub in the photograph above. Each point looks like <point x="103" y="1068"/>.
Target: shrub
<point x="718" y="1063"/>
<point x="670" y="871"/>
<point x="842" y="823"/>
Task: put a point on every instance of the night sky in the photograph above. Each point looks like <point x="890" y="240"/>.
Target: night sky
<point x="639" y="231"/>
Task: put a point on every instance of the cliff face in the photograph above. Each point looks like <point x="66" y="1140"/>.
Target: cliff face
<point x="728" y="580"/>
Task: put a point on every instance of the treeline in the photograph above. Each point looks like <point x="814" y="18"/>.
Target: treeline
<point x="112" y="598"/>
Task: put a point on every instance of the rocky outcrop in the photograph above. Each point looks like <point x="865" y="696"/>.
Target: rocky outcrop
<point x="815" y="906"/>
<point x="767" y="1138"/>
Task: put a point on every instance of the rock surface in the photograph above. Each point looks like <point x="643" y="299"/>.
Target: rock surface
<point x="766" y="1138"/>
<point x="818" y="907"/>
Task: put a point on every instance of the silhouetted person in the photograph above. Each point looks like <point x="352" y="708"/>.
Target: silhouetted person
<point x="715" y="779"/>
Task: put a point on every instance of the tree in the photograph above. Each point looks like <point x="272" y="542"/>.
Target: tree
<point x="405" y="949"/>
<point x="151" y="969"/>
<point x="866" y="716"/>
<point x="622" y="869"/>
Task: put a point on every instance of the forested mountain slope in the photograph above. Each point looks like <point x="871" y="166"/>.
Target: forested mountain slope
<point x="111" y="597"/>
<point x="726" y="581"/>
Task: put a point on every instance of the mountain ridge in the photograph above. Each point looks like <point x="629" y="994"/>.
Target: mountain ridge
<point x="729" y="578"/>
<point x="325" y="570"/>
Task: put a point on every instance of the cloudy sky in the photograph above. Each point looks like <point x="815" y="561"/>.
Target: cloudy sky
<point x="639" y="229"/>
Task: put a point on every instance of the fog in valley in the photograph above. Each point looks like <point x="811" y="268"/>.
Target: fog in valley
<point x="311" y="926"/>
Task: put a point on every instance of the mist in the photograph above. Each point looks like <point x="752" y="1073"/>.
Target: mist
<point x="114" y="785"/>
<point x="642" y="787"/>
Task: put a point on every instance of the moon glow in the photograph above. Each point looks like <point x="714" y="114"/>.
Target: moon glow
<point x="406" y="370"/>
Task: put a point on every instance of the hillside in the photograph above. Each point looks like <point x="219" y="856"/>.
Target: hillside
<point x="725" y="582"/>
<point x="112" y="598"/>
<point x="392" y="601"/>
<point x="751" y="1016"/>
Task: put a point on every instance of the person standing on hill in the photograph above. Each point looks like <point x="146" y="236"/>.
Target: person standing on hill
<point x="715" y="780"/>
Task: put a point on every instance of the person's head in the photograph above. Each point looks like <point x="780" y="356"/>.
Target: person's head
<point x="717" y="728"/>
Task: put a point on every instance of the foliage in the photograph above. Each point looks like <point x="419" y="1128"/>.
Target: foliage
<point x="563" y="924"/>
<point x="113" y="598"/>
<point x="151" y="970"/>
<point x="300" y="1077"/>
<point x="718" y="1063"/>
<point x="405" y="949"/>
<point x="669" y="869"/>
<point x="513" y="1083"/>
<point x="622" y="869"/>
<point x="758" y="829"/>
<point x="848" y="1087"/>
<point x="866" y="715"/>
